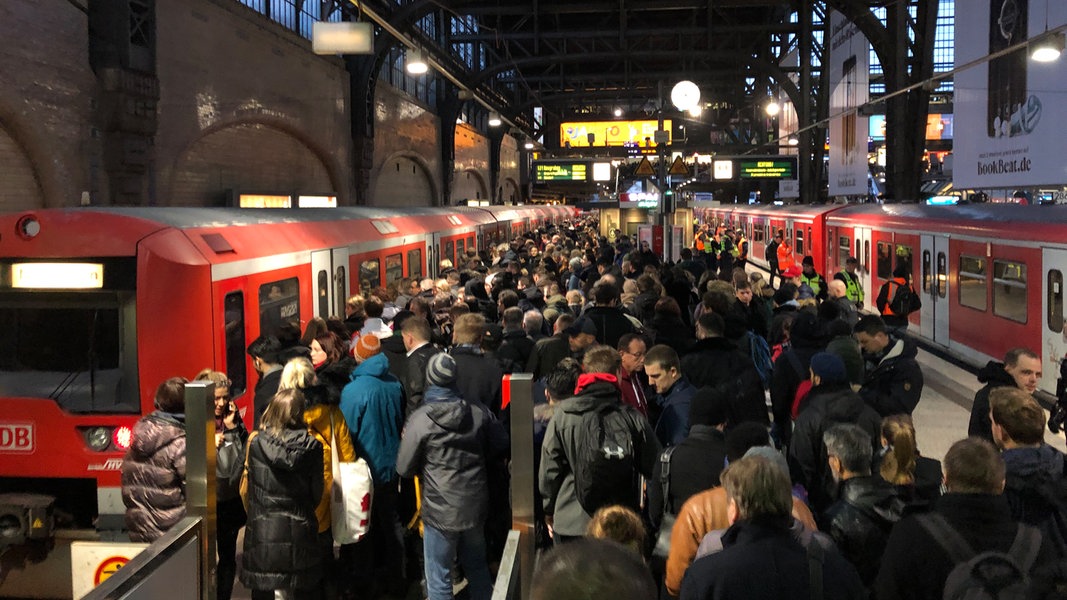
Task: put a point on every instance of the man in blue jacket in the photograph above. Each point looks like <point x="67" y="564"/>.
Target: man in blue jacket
<point x="673" y="394"/>
<point x="372" y="403"/>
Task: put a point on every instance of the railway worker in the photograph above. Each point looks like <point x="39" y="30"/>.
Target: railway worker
<point x="786" y="260"/>
<point x="848" y="276"/>
<point x="265" y="351"/>
<point x="373" y="408"/>
<point x="447" y="442"/>
<point x="1021" y="369"/>
<point x="230" y="439"/>
<point x="893" y="383"/>
<point x="897" y="320"/>
<point x="285" y="483"/>
<point x="812" y="279"/>
<point x="153" y="470"/>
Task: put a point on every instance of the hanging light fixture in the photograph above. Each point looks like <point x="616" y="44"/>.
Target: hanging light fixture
<point x="494" y="119"/>
<point x="772" y="108"/>
<point x="415" y="62"/>
<point x="1047" y="47"/>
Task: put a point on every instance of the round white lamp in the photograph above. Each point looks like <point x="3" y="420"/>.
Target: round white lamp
<point x="685" y="95"/>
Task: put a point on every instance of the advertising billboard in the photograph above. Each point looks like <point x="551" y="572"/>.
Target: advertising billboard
<point x="610" y="133"/>
<point x="1009" y="109"/>
<point x="849" y="89"/>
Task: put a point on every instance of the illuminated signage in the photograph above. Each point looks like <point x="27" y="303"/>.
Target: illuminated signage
<point x="723" y="169"/>
<point x="57" y="276"/>
<point x="610" y="133"/>
<point x="264" y="201"/>
<point x="640" y="199"/>
<point x="602" y="171"/>
<point x="316" y="201"/>
<point x="561" y="171"/>
<point x="767" y="168"/>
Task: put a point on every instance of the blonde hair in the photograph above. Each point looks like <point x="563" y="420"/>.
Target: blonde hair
<point x="619" y="524"/>
<point x="468" y="329"/>
<point x="898" y="466"/>
<point x="285" y="411"/>
<point x="297" y="374"/>
<point x="217" y="377"/>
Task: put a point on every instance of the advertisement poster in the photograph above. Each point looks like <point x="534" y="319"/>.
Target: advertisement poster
<point x="849" y="72"/>
<point x="1010" y="111"/>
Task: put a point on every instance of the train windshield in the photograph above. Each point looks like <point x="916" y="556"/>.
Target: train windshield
<point x="75" y="348"/>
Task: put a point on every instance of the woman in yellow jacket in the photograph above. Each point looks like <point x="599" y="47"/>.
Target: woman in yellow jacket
<point x="321" y="410"/>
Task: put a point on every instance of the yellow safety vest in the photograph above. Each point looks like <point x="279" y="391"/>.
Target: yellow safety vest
<point x="853" y="290"/>
<point x="813" y="283"/>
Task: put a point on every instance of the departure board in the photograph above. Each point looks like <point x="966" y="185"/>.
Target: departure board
<point x="767" y="168"/>
<point x="561" y="171"/>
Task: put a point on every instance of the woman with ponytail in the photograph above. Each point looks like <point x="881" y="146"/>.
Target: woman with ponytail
<point x="917" y="477"/>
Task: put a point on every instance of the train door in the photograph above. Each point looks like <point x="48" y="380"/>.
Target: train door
<point x="933" y="287"/>
<point x="329" y="275"/>
<point x="1053" y="330"/>
<point x="863" y="254"/>
<point x="433" y="255"/>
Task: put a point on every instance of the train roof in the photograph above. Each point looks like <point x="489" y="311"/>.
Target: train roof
<point x="1005" y="220"/>
<point x="786" y="210"/>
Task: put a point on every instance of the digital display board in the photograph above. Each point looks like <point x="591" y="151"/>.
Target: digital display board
<point x="561" y="171"/>
<point x="769" y="167"/>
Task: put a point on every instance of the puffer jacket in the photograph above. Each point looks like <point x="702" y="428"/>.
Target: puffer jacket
<point x="373" y="407"/>
<point x="317" y="417"/>
<point x="447" y="442"/>
<point x="556" y="477"/>
<point x="701" y="514"/>
<point x="153" y="476"/>
<point x="993" y="376"/>
<point x="894" y="384"/>
<point x="860" y="522"/>
<point x="281" y="550"/>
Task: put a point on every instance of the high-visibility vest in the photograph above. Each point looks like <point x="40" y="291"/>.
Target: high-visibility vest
<point x="812" y="282"/>
<point x="853" y="289"/>
<point x="742" y="247"/>
<point x="785" y="256"/>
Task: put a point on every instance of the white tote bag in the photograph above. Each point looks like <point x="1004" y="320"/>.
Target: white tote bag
<point x="350" y="496"/>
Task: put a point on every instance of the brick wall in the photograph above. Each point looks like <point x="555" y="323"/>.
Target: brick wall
<point x="407" y="159"/>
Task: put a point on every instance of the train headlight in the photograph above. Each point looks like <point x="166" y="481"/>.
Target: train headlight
<point x="122" y="437"/>
<point x="98" y="438"/>
<point x="28" y="227"/>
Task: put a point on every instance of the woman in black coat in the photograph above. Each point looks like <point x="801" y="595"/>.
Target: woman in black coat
<point x="285" y="484"/>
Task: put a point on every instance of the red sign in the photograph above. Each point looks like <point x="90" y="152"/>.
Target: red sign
<point x="16" y="437"/>
<point x="108" y="567"/>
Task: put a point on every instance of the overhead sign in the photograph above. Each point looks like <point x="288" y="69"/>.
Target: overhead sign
<point x="561" y="171"/>
<point x="645" y="168"/>
<point x="723" y="169"/>
<point x="771" y="167"/>
<point x="678" y="168"/>
<point x="608" y="133"/>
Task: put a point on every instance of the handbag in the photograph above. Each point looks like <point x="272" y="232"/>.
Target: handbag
<point x="666" y="522"/>
<point x="350" y="495"/>
<point x="242" y="489"/>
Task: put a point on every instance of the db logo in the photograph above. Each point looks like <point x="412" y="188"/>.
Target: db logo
<point x="16" y="437"/>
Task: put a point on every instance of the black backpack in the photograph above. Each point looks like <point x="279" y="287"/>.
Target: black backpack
<point x="1041" y="501"/>
<point x="605" y="466"/>
<point x="905" y="301"/>
<point x="985" y="575"/>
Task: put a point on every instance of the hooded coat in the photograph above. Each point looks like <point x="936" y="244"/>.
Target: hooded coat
<point x="281" y="549"/>
<point x="447" y="442"/>
<point x="153" y="476"/>
<point x="1030" y="473"/>
<point x="894" y="384"/>
<point x="373" y="408"/>
<point x="993" y="375"/>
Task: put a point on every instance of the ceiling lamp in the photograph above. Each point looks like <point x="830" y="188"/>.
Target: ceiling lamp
<point x="685" y="95"/>
<point x="528" y="145"/>
<point x="416" y="62"/>
<point x="772" y="109"/>
<point x="1047" y="47"/>
<point x="494" y="119"/>
<point x="618" y="112"/>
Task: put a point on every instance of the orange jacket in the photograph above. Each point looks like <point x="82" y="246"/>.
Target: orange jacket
<point x="785" y="256"/>
<point x="701" y="514"/>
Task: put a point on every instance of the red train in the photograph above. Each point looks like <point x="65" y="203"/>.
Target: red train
<point x="990" y="275"/>
<point x="99" y="305"/>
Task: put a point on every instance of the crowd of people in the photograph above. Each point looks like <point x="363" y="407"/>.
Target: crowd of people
<point x="699" y="434"/>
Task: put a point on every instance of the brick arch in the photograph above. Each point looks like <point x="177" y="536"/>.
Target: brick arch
<point x="404" y="179"/>
<point x="252" y="153"/>
<point x="34" y="176"/>
<point x="470" y="184"/>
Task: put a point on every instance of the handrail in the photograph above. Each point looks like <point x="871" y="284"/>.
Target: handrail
<point x="147" y="561"/>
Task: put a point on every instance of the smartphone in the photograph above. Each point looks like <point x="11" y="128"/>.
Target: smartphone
<point x="1006" y="90"/>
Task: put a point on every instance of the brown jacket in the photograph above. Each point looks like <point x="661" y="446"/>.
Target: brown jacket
<point x="153" y="476"/>
<point x="700" y="514"/>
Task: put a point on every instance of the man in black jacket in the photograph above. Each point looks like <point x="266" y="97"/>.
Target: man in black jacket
<point x="515" y="347"/>
<point x="914" y="564"/>
<point x="264" y="351"/>
<point x="479" y="378"/>
<point x="611" y="323"/>
<point x="1021" y="369"/>
<point x="715" y="361"/>
<point x="416" y="333"/>
<point x="894" y="381"/>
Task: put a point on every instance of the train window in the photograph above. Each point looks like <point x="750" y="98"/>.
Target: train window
<point x="757" y="232"/>
<point x="926" y="274"/>
<point x="885" y="260"/>
<point x="844" y="245"/>
<point x="972" y="282"/>
<point x="942" y="274"/>
<point x="394" y="268"/>
<point x="811" y="241"/>
<point x="341" y="296"/>
<point x="866" y="256"/>
<point x="279" y="306"/>
<point x="370" y="275"/>
<point x="904" y="258"/>
<point x="233" y="310"/>
<point x="1055" y="301"/>
<point x="470" y="242"/>
<point x="460" y="251"/>
<point x="1009" y="290"/>
<point x="415" y="263"/>
<point x="799" y="245"/>
<point x="450" y="252"/>
<point x="322" y="293"/>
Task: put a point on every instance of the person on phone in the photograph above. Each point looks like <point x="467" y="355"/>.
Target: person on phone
<point x="230" y="438"/>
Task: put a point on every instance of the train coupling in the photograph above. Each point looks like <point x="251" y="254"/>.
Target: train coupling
<point x="25" y="518"/>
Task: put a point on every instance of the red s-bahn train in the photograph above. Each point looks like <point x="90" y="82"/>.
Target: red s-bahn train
<point x="100" y="305"/>
<point x="991" y="276"/>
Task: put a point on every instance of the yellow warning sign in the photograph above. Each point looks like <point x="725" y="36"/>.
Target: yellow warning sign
<point x="678" y="167"/>
<point x="645" y="168"/>
<point x="37" y="523"/>
<point x="108" y="567"/>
